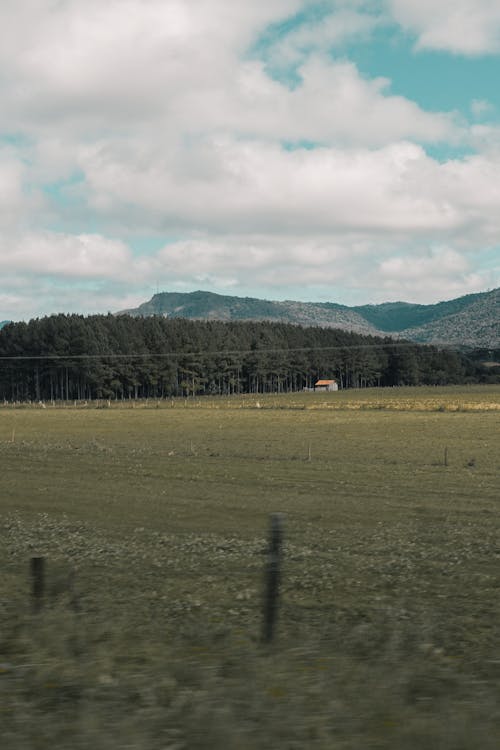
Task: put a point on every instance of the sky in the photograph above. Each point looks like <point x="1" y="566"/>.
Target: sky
<point x="344" y="151"/>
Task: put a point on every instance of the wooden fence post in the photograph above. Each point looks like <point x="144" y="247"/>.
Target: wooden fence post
<point x="273" y="574"/>
<point x="38" y="582"/>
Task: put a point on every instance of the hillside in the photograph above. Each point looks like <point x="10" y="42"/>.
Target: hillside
<point x="401" y="316"/>
<point x="4" y="323"/>
<point x="472" y="320"/>
<point x="476" y="325"/>
<point x="209" y="306"/>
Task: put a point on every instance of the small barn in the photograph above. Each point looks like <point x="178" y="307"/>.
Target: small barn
<point x="326" y="385"/>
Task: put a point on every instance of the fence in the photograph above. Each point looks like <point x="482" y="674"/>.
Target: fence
<point x="271" y="589"/>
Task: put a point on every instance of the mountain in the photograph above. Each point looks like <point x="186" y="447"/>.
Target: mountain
<point x="209" y="306"/>
<point x="473" y="320"/>
<point x="475" y="325"/>
<point x="4" y="323"/>
<point x="400" y="316"/>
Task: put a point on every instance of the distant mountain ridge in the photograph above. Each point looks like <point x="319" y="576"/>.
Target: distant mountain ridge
<point x="4" y="323"/>
<point x="399" y="316"/>
<point x="472" y="320"/>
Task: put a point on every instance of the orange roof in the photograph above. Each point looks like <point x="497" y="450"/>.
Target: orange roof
<point x="325" y="382"/>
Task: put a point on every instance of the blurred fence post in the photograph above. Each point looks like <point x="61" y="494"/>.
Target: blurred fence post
<point x="272" y="578"/>
<point x="37" y="567"/>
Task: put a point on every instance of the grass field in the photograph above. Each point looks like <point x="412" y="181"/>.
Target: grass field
<point x="153" y="520"/>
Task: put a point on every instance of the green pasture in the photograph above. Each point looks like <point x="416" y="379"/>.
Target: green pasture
<point x="153" y="517"/>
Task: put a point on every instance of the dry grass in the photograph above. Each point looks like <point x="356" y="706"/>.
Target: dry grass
<point x="390" y="613"/>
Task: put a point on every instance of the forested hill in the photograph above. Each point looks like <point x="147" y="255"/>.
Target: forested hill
<point x="472" y="321"/>
<point x="402" y="316"/>
<point x="209" y="306"/>
<point x="76" y="357"/>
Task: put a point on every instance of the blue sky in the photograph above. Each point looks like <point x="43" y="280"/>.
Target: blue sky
<point x="286" y="149"/>
<point x="438" y="79"/>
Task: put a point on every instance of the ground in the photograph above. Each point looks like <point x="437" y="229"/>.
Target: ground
<point x="153" y="520"/>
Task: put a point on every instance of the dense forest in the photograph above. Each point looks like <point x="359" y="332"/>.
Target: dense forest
<point x="119" y="357"/>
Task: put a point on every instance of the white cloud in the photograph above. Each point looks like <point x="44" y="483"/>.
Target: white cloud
<point x="258" y="216"/>
<point x="174" y="68"/>
<point x="12" y="200"/>
<point x="351" y="261"/>
<point x="485" y="139"/>
<point x="65" y="256"/>
<point x="32" y="296"/>
<point x="123" y="61"/>
<point x="435" y="263"/>
<point x="428" y="274"/>
<point x="470" y="27"/>
<point x="103" y="275"/>
<point x="320" y="35"/>
<point x="239" y="186"/>
<point x="481" y="107"/>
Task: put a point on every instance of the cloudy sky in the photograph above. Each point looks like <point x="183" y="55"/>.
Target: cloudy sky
<point x="344" y="150"/>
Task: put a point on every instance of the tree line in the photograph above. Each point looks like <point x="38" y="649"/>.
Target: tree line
<point x="72" y="357"/>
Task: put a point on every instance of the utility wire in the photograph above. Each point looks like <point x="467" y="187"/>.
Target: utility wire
<point x="428" y="348"/>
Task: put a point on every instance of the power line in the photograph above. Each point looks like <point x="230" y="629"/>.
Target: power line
<point x="427" y="348"/>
